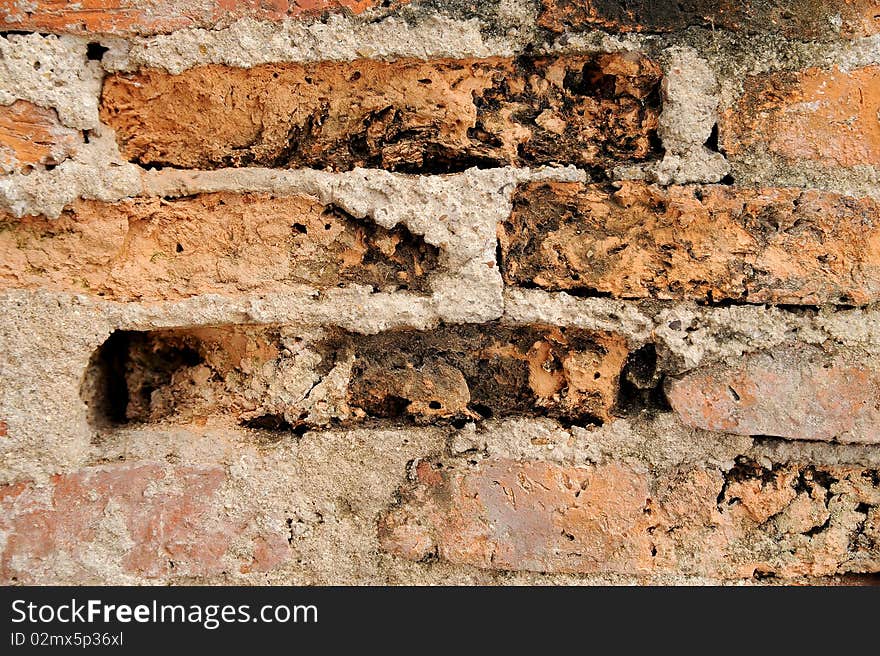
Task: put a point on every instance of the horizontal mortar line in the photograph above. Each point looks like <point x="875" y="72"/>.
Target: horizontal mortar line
<point x="569" y="43"/>
<point x="174" y="181"/>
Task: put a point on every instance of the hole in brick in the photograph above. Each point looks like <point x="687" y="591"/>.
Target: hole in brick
<point x="269" y="379"/>
<point x="104" y="388"/>
<point x="270" y="422"/>
<point x="95" y="51"/>
<point x="126" y="371"/>
<point x="641" y="384"/>
<point x="479" y="372"/>
<point x="178" y="248"/>
<point x="712" y="141"/>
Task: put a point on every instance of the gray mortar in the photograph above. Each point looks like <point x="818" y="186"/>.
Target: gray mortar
<point x="248" y="43"/>
<point x="51" y="72"/>
<point x="97" y="171"/>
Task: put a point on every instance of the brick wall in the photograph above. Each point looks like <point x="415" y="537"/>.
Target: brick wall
<point x="521" y="291"/>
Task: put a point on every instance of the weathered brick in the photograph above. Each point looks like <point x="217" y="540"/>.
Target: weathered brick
<point x="807" y="19"/>
<point x="141" y="518"/>
<point x="773" y="245"/>
<point x="131" y="17"/>
<point x="264" y="377"/>
<point x="783" y="521"/>
<point x="150" y="249"/>
<point x="32" y="135"/>
<point x="798" y="393"/>
<point x="823" y="115"/>
<point x="437" y="116"/>
<point x="566" y="373"/>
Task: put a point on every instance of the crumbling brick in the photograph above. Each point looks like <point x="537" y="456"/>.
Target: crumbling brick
<point x="716" y="242"/>
<point x="438" y="116"/>
<point x="224" y="243"/>
<point x="811" y="19"/>
<point x="31" y="135"/>
<point x="751" y="521"/>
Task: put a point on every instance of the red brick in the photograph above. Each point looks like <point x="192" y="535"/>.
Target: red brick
<point x="32" y="135"/>
<point x="4" y="428"/>
<point x="132" y="17"/>
<point x="806" y="19"/>
<point x="408" y="115"/>
<point x="798" y="393"/>
<point x="828" y="116"/>
<point x="148" y="519"/>
<point x="612" y="518"/>
<point x="153" y="249"/>
<point x="772" y="245"/>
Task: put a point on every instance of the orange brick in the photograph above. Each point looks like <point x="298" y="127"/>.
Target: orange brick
<point x="172" y="518"/>
<point x="132" y="17"/>
<point x="411" y="116"/>
<point x="800" y="394"/>
<point x="153" y="249"/>
<point x="774" y="245"/>
<point x="806" y="19"/>
<point x="821" y="115"/>
<point x="32" y="135"/>
<point x="612" y="518"/>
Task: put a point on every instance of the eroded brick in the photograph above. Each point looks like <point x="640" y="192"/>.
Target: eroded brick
<point x="773" y="245"/>
<point x="224" y="243"/>
<point x="613" y="518"/>
<point x="802" y="394"/>
<point x="131" y="17"/>
<point x="32" y="135"/>
<point x="438" y="116"/>
<point x="806" y="19"/>
<point x="823" y="115"/>
<point x="141" y="518"/>
<point x="270" y="378"/>
<point x="480" y="371"/>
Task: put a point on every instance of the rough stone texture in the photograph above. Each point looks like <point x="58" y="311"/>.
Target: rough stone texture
<point x="690" y="100"/>
<point x="32" y="135"/>
<point x="248" y="43"/>
<point x="751" y="521"/>
<point x="52" y="72"/>
<point x="801" y="394"/>
<point x="155" y="520"/>
<point x="824" y="115"/>
<point x="263" y="400"/>
<point x="284" y="379"/>
<point x="811" y="19"/>
<point x="489" y="371"/>
<point x="130" y="17"/>
<point x="772" y="245"/>
<point x="152" y="249"/>
<point x="440" y="116"/>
